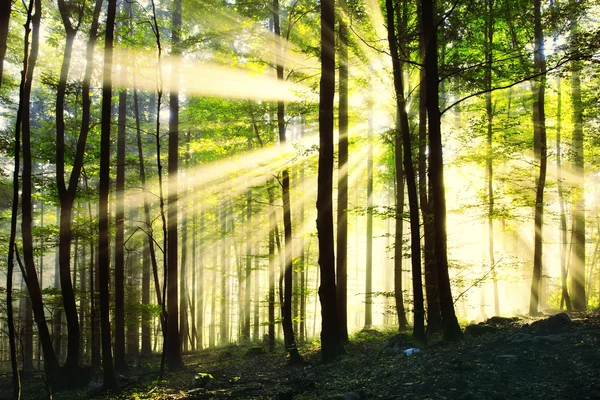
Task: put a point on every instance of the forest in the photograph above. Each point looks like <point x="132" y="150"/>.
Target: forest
<point x="299" y="199"/>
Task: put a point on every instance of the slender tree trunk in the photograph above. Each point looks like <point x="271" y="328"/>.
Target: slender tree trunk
<point x="450" y="326"/>
<point x="248" y="269"/>
<point x="200" y="308"/>
<point x="224" y="271"/>
<point x="561" y="199"/>
<point x="272" y="225"/>
<point x="539" y="124"/>
<point x="288" y="328"/>
<point x="173" y="353"/>
<point x="490" y="152"/>
<point x="342" y="200"/>
<point x="67" y="198"/>
<point x="120" y="363"/>
<point x="331" y="343"/>
<point x="578" y="186"/>
<point x="16" y="380"/>
<point x="403" y="152"/>
<point x="256" y="299"/>
<point x="110" y="381"/>
<point x="213" y="294"/>
<point x="369" y="239"/>
<point x="303" y="263"/>
<point x="184" y="331"/>
<point x="53" y="370"/>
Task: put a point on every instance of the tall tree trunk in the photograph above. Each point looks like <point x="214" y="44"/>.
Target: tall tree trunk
<point x="434" y="318"/>
<point x="173" y="353"/>
<point x="342" y="199"/>
<point x="578" y="186"/>
<point x="403" y="141"/>
<point x="272" y="225"/>
<point x="53" y="370"/>
<point x="200" y="307"/>
<point x="303" y="266"/>
<point x="184" y="333"/>
<point x="490" y="153"/>
<point x="286" y="308"/>
<point x="256" y="299"/>
<point x="110" y="381"/>
<point x="213" y="295"/>
<point x="331" y="343"/>
<point x="539" y="126"/>
<point x="120" y="363"/>
<point x="224" y="271"/>
<point x="564" y="298"/>
<point x="369" y="239"/>
<point x="66" y="198"/>
<point x="248" y="269"/>
<point x="16" y="380"/>
<point x="450" y="326"/>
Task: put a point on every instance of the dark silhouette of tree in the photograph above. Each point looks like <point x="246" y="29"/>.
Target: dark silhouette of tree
<point x="110" y="381"/>
<point x="450" y="326"/>
<point x="540" y="150"/>
<point x="174" y="360"/>
<point x="331" y="342"/>
<point x="342" y="200"/>
<point x="403" y="142"/>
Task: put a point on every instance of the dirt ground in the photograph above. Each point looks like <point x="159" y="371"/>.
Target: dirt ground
<point x="547" y="358"/>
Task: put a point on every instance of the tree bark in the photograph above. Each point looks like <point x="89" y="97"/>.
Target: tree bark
<point x="434" y="318"/>
<point x="272" y="226"/>
<point x="286" y="308"/>
<point x="174" y="360"/>
<point x="110" y="381"/>
<point x="577" y="263"/>
<point x="539" y="126"/>
<point x="120" y="363"/>
<point x="450" y="326"/>
<point x="331" y="343"/>
<point x="342" y="200"/>
<point x="403" y="141"/>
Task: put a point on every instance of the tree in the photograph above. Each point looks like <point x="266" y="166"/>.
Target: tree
<point x="173" y="341"/>
<point x="331" y="343"/>
<point x="540" y="150"/>
<point x="286" y="307"/>
<point x="120" y="363"/>
<point x="451" y="329"/>
<point x="53" y="370"/>
<point x="342" y="200"/>
<point x="110" y="381"/>
<point x="403" y="142"/>
<point x="577" y="263"/>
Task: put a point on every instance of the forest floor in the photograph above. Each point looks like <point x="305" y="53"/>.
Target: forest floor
<point x="546" y="358"/>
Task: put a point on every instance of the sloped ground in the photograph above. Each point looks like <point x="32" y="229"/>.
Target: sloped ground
<point x="550" y="359"/>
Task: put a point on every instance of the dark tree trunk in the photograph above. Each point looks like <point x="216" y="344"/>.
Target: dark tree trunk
<point x="248" y="270"/>
<point x="224" y="271"/>
<point x="272" y="226"/>
<point x="434" y="319"/>
<point x="16" y="381"/>
<point x="67" y="197"/>
<point x="342" y="201"/>
<point x="450" y="326"/>
<point x="184" y="332"/>
<point x="539" y="126"/>
<point x="120" y="363"/>
<point x="53" y="370"/>
<point x="490" y="153"/>
<point x="403" y="142"/>
<point x="561" y="199"/>
<point x="110" y="381"/>
<point x="200" y="283"/>
<point x="331" y="343"/>
<point x="286" y="308"/>
<point x="173" y="350"/>
<point x="578" y="296"/>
